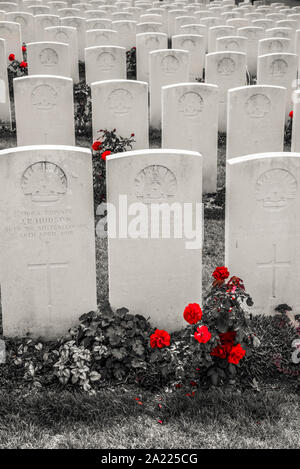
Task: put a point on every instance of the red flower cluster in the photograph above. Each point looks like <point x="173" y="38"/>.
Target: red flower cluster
<point x="23" y="64"/>
<point x="227" y="349"/>
<point x="236" y="354"/>
<point x="160" y="339"/>
<point x="202" y="335"/>
<point x="192" y="313"/>
<point x="220" y="274"/>
<point x="233" y="283"/>
<point x="105" y="154"/>
<point x="11" y="57"/>
<point x="291" y="114"/>
<point x="97" y="147"/>
<point x="24" y="49"/>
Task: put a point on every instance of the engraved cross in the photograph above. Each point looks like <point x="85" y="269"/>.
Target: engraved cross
<point x="273" y="264"/>
<point x="48" y="267"/>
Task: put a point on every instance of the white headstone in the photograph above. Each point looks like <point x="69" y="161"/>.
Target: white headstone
<point x="78" y="23"/>
<point x="123" y="105"/>
<point x="11" y="32"/>
<point x="262" y="235"/>
<point x="190" y="122"/>
<point x="101" y="37"/>
<point x="145" y="43"/>
<point x="226" y="70"/>
<point x="49" y="58"/>
<point x="253" y="35"/>
<point x="98" y="23"/>
<point x="272" y="45"/>
<point x="195" y="44"/>
<point x="41" y="22"/>
<point x="5" y="115"/>
<point x="167" y="67"/>
<point x="150" y="27"/>
<point x="278" y="70"/>
<point x="152" y="275"/>
<point x="48" y="274"/>
<point x="296" y="122"/>
<point x="105" y="63"/>
<point x="231" y="43"/>
<point x="256" y="118"/>
<point x="26" y="22"/>
<point x="218" y="31"/>
<point x="44" y="110"/>
<point x="126" y="33"/>
<point x="66" y="35"/>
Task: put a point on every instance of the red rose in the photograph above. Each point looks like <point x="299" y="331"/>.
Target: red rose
<point x="11" y="57"/>
<point x="221" y="273"/>
<point x="160" y="339"/>
<point x="202" y="335"/>
<point x="192" y="313"/>
<point x="227" y="337"/>
<point x="235" y="282"/>
<point x="23" y="64"/>
<point x="219" y="351"/>
<point x="96" y="145"/>
<point x="105" y="154"/>
<point x="24" y="49"/>
<point x="291" y="114"/>
<point x="236" y="354"/>
<point x="132" y="135"/>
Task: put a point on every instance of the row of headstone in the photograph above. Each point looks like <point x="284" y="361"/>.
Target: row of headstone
<point x="47" y="228"/>
<point x="189" y="113"/>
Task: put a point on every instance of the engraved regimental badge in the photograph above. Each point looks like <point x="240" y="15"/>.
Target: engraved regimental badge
<point x="44" y="182"/>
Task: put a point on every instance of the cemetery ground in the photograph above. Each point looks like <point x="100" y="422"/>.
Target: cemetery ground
<point x="127" y="416"/>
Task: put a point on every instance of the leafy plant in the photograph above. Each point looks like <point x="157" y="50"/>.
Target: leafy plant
<point x="131" y="62"/>
<point x="288" y="129"/>
<point x="108" y="142"/>
<point x="16" y="68"/>
<point x="83" y="109"/>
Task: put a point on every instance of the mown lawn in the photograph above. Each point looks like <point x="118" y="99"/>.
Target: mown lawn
<point x="114" y="419"/>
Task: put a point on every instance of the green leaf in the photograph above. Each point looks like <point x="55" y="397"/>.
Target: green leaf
<point x="95" y="376"/>
<point x="138" y="347"/>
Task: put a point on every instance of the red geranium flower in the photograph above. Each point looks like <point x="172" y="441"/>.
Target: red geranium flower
<point x="236" y="354"/>
<point x="235" y="282"/>
<point x="227" y="337"/>
<point x="192" y="313"/>
<point x="291" y="114"/>
<point x="219" y="351"/>
<point x="221" y="273"/>
<point x="96" y="145"/>
<point x="160" y="339"/>
<point x="23" y="64"/>
<point x="202" y="335"/>
<point x="105" y="154"/>
<point x="11" y="57"/>
<point x="132" y="135"/>
<point x="24" y="49"/>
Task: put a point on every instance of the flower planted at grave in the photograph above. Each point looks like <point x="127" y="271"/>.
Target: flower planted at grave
<point x="15" y="69"/>
<point x="216" y="339"/>
<point x="109" y="142"/>
<point x="82" y="109"/>
<point x="131" y="62"/>
<point x="288" y="129"/>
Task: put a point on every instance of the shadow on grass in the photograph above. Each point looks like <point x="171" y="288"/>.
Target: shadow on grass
<point x="114" y="419"/>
